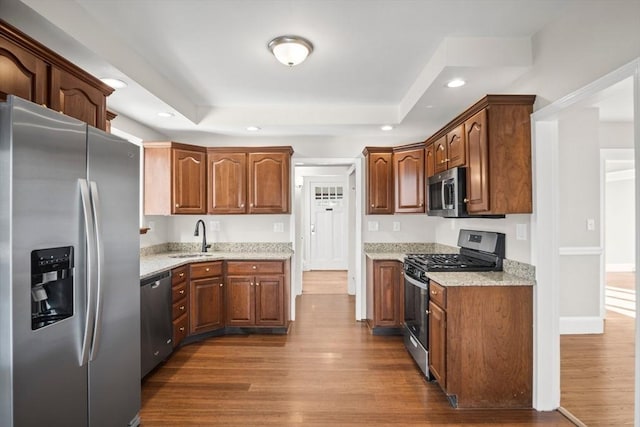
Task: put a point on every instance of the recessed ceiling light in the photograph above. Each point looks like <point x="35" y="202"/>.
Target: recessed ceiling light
<point x="253" y="128"/>
<point x="386" y="128"/>
<point x="456" y="83"/>
<point x="114" y="83"/>
<point x="165" y="114"/>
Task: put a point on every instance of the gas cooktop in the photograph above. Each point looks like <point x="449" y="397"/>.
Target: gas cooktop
<point x="479" y="251"/>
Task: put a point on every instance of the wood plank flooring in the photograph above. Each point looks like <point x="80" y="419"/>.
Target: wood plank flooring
<point x="328" y="371"/>
<point x="597" y="370"/>
<point x="324" y="282"/>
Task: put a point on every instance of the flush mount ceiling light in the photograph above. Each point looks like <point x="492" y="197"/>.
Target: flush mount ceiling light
<point x="456" y="83"/>
<point x="165" y="114"/>
<point x="253" y="128"/>
<point x="386" y="128"/>
<point x="114" y="83"/>
<point x="290" y="50"/>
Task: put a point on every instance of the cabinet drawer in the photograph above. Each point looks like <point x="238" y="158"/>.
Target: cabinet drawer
<point x="438" y="294"/>
<point x="178" y="292"/>
<point x="180" y="329"/>
<point x="255" y="267"/>
<point x="202" y="270"/>
<point x="179" y="308"/>
<point x="178" y="275"/>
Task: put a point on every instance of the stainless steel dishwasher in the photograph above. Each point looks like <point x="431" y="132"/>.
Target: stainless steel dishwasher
<point x="156" y="328"/>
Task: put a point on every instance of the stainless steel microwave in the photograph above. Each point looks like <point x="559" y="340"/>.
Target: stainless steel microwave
<point x="446" y="193"/>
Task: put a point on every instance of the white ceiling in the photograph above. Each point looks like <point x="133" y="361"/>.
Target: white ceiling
<point x="375" y="61"/>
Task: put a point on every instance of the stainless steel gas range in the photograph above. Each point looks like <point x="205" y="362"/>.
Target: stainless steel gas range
<point x="479" y="251"/>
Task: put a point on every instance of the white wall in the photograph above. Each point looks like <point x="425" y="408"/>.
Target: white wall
<point x="620" y="215"/>
<point x="413" y="228"/>
<point x="158" y="231"/>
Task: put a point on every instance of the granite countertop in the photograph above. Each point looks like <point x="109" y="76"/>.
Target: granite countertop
<point x="157" y="263"/>
<point x="515" y="273"/>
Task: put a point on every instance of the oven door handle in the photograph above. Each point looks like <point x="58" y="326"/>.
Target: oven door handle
<point x="415" y="282"/>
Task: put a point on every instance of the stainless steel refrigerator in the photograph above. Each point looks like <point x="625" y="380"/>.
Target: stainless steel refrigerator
<point x="69" y="272"/>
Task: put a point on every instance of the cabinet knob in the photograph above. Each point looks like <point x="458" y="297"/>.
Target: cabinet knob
<point x="426" y="312"/>
<point x="258" y="284"/>
<point x="207" y="269"/>
<point x="465" y="200"/>
<point x="250" y="205"/>
<point x="177" y="205"/>
<point x="182" y="329"/>
<point x="434" y="292"/>
<point x="254" y="267"/>
<point x="251" y="283"/>
<point x="420" y="205"/>
<point x="182" y="308"/>
<point x="371" y="204"/>
<point x="242" y="205"/>
<point x="221" y="284"/>
<point x="181" y="291"/>
<point x="181" y="275"/>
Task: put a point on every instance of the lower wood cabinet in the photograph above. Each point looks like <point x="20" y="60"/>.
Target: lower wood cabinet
<point x="385" y="294"/>
<point x="256" y="293"/>
<point x="481" y="344"/>
<point x="180" y="303"/>
<point x="207" y="297"/>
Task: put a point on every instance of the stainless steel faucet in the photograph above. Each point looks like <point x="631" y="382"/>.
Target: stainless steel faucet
<point x="204" y="235"/>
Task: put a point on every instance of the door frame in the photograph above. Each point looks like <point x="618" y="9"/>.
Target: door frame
<point x="297" y="233"/>
<point x="545" y="246"/>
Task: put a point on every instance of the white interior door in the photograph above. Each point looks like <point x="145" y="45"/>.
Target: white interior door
<point x="328" y="225"/>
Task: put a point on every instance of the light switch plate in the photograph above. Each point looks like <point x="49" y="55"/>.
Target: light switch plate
<point x="214" y="225"/>
<point x="521" y="231"/>
<point x="278" y="227"/>
<point x="372" y="225"/>
<point x="396" y="225"/>
<point x="591" y="224"/>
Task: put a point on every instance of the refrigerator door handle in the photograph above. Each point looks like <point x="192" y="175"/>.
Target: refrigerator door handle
<point x="97" y="326"/>
<point x="89" y="222"/>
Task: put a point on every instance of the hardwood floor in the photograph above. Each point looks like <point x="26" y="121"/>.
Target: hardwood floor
<point x="324" y="282"/>
<point x="597" y="371"/>
<point x="328" y="371"/>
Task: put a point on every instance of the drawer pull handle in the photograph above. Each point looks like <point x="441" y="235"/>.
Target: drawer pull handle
<point x="181" y="328"/>
<point x="413" y="341"/>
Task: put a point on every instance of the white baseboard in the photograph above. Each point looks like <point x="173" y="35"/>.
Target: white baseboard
<point x="581" y="325"/>
<point x="620" y="268"/>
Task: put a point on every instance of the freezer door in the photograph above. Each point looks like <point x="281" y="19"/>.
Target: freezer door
<point x="114" y="367"/>
<point x="47" y="151"/>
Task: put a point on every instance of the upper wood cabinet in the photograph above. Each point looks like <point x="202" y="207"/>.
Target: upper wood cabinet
<point x="249" y="180"/>
<point x="33" y="72"/>
<point x="409" y="179"/>
<point x="450" y="150"/>
<point x="379" y="173"/>
<point x="174" y="179"/>
<point x="492" y="138"/>
<point x="227" y="182"/>
<point x="269" y="187"/>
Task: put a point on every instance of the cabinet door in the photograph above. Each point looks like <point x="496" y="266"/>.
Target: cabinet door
<point x="386" y="289"/>
<point x="478" y="163"/>
<point x="456" y="148"/>
<point x="227" y="189"/>
<point x="76" y="98"/>
<point x="189" y="182"/>
<point x="409" y="180"/>
<point x="380" y="183"/>
<point x="269" y="182"/>
<point x="207" y="305"/>
<point x="269" y="300"/>
<point x="437" y="344"/>
<point x="21" y="74"/>
<point x="430" y="160"/>
<point x="440" y="154"/>
<point x="240" y="301"/>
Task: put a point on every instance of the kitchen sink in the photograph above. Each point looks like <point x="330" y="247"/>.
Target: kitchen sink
<point x="190" y="256"/>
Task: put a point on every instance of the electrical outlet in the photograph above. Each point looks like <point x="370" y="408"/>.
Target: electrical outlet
<point x="278" y="227"/>
<point x="372" y="225"/>
<point x="214" y="225"/>
<point x="396" y="225"/>
<point x="521" y="231"/>
<point x="591" y="224"/>
<point x="151" y="225"/>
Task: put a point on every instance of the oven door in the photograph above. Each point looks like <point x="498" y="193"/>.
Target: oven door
<point x="416" y="304"/>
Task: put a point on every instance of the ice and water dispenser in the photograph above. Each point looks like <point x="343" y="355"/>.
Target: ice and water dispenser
<point x="51" y="286"/>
